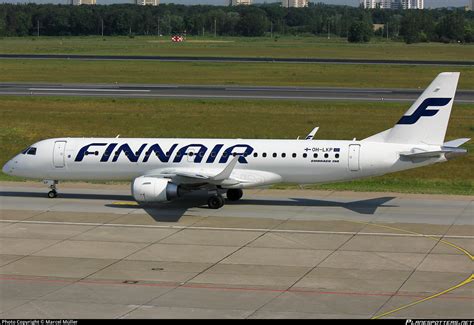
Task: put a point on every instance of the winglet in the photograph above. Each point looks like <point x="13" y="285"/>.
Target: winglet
<point x="225" y="173"/>
<point x="311" y="135"/>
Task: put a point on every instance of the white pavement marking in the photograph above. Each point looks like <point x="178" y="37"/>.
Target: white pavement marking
<point x="89" y="89"/>
<point x="233" y="229"/>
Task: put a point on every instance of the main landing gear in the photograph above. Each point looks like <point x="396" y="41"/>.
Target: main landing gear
<point x="216" y="201"/>
<point x="52" y="185"/>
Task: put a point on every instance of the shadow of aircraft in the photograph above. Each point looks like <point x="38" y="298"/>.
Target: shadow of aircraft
<point x="67" y="195"/>
<point x="368" y="206"/>
<point x="174" y="210"/>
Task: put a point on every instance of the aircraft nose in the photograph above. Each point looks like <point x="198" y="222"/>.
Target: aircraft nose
<point x="7" y="167"/>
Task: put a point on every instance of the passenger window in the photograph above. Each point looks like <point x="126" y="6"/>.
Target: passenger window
<point x="305" y="155"/>
<point x="274" y="155"/>
<point x="315" y="155"/>
<point x="326" y="155"/>
<point x="255" y="154"/>
<point x="31" y="151"/>
<point x="337" y="155"/>
<point x="264" y="154"/>
<point x="294" y="155"/>
<point x="283" y="155"/>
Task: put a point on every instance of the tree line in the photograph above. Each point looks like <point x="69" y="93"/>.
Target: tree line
<point x="355" y="24"/>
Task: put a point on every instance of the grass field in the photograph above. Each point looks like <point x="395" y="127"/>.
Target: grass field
<point x="287" y="46"/>
<point x="206" y="73"/>
<point x="26" y="120"/>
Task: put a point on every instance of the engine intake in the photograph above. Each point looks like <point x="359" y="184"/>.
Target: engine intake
<point x="151" y="189"/>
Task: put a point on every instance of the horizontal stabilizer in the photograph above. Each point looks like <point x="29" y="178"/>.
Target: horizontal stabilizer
<point x="449" y="152"/>
<point x="456" y="143"/>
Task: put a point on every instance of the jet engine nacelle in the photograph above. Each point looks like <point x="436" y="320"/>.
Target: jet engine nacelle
<point x="151" y="189"/>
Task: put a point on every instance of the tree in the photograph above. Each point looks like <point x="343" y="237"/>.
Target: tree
<point x="451" y="27"/>
<point x="319" y="19"/>
<point x="360" y="31"/>
<point x="252" y="23"/>
<point x="410" y="29"/>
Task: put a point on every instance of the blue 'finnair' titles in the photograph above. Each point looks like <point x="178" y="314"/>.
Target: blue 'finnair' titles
<point x="161" y="170"/>
<point x="423" y="110"/>
<point x="242" y="150"/>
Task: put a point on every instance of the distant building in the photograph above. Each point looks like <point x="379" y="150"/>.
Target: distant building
<point x="147" y="2"/>
<point x="83" y="2"/>
<point x="412" y="4"/>
<point x="376" y="27"/>
<point x="294" y="3"/>
<point x="372" y="4"/>
<point x="240" y="2"/>
<point x="393" y="4"/>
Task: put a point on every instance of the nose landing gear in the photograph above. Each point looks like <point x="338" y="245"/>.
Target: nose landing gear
<point x="52" y="185"/>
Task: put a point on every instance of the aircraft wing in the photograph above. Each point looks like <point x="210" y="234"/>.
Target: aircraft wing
<point x="227" y="177"/>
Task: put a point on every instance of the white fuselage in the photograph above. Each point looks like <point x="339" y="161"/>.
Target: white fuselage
<point x="264" y="161"/>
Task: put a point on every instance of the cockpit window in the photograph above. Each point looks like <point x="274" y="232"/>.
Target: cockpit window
<point x="31" y="151"/>
<point x="24" y="151"/>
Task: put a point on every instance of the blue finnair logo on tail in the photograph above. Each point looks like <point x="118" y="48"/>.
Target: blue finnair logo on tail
<point x="423" y="111"/>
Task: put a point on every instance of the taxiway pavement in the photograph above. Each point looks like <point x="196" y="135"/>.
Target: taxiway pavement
<point x="222" y="92"/>
<point x="232" y="59"/>
<point x="93" y="253"/>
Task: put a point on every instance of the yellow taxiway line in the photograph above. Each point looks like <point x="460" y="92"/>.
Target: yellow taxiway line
<point x="463" y="283"/>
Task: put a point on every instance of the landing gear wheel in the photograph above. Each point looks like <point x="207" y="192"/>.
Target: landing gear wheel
<point x="215" y="202"/>
<point x="52" y="194"/>
<point x="234" y="194"/>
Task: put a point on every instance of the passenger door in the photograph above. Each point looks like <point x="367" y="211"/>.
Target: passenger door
<point x="354" y="156"/>
<point x="59" y="154"/>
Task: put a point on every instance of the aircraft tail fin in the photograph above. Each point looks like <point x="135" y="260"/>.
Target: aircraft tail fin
<point x="427" y="119"/>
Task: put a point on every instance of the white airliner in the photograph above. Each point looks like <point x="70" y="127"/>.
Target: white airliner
<point x="164" y="169"/>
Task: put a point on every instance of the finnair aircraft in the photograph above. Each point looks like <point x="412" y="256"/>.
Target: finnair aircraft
<point x="165" y="169"/>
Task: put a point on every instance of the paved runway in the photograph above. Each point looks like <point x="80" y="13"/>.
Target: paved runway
<point x="233" y="59"/>
<point x="227" y="92"/>
<point x="93" y="253"/>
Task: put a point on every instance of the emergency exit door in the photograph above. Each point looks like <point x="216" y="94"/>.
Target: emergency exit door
<point x="58" y="154"/>
<point x="354" y="157"/>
